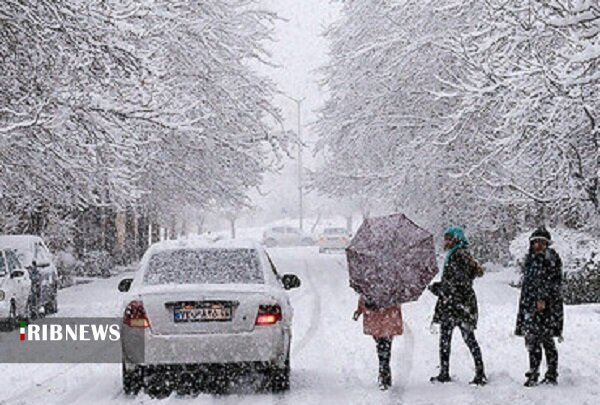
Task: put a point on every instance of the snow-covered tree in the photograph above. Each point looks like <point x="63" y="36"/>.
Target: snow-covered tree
<point x="467" y="112"/>
<point x="106" y="105"/>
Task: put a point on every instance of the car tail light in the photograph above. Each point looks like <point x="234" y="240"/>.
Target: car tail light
<point x="268" y="315"/>
<point x="135" y="315"/>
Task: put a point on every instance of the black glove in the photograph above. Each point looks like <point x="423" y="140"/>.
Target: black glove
<point x="435" y="288"/>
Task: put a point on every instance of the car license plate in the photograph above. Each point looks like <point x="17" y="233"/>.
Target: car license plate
<point x="202" y="312"/>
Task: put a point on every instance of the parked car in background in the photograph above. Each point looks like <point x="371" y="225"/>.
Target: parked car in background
<point x="15" y="289"/>
<point x="334" y="239"/>
<point x="34" y="256"/>
<point x="286" y="236"/>
<point x="201" y="308"/>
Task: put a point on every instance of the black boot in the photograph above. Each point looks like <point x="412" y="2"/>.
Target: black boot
<point x="443" y="377"/>
<point x="551" y="378"/>
<point x="480" y="378"/>
<point x="532" y="378"/>
<point x="385" y="380"/>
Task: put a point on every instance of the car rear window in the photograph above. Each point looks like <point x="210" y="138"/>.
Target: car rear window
<point x="204" y="266"/>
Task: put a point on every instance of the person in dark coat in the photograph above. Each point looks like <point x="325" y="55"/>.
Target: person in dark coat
<point x="383" y="324"/>
<point x="457" y="303"/>
<point x="540" y="316"/>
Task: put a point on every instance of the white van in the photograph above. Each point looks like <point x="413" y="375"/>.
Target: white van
<point x="15" y="289"/>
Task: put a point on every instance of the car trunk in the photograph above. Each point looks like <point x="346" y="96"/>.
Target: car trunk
<point x="204" y="309"/>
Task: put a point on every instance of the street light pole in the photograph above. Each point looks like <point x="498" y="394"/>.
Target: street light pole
<point x="300" y="147"/>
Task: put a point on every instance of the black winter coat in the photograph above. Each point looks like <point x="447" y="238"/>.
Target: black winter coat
<point x="542" y="281"/>
<point x="457" y="303"/>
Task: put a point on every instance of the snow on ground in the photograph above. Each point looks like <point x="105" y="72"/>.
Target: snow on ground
<point x="333" y="362"/>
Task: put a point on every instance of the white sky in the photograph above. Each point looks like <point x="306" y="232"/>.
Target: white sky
<point x="300" y="50"/>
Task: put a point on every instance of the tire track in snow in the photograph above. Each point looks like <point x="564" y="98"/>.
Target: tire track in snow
<point x="315" y="314"/>
<point x="405" y="363"/>
<point x="39" y="388"/>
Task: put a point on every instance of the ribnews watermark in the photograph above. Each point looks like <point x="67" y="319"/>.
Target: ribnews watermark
<point x="74" y="333"/>
<point x="68" y="340"/>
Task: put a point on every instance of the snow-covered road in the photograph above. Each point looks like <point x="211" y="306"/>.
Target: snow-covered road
<point x="333" y="362"/>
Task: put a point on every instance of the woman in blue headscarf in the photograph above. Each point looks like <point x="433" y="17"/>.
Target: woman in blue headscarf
<point x="457" y="304"/>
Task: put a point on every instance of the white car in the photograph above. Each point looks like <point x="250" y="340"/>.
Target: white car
<point x="286" y="236"/>
<point x="334" y="239"/>
<point x="15" y="287"/>
<point x="196" y="304"/>
<point x="35" y="257"/>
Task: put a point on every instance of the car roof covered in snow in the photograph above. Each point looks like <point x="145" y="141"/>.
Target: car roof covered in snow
<point x="203" y="243"/>
<point x="20" y="242"/>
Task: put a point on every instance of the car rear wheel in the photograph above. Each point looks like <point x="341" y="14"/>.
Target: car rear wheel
<point x="133" y="380"/>
<point x="280" y="376"/>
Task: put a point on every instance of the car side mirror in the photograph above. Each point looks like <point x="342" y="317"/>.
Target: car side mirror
<point x="125" y="284"/>
<point x="17" y="274"/>
<point x="290" y="281"/>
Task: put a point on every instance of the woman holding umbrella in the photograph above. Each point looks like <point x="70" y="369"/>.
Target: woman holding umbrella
<point x="383" y="324"/>
<point x="457" y="304"/>
<point x="391" y="260"/>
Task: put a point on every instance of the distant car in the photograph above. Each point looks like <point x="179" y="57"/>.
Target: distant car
<point x="334" y="239"/>
<point x="35" y="257"/>
<point x="286" y="236"/>
<point x="198" y="305"/>
<point x="15" y="288"/>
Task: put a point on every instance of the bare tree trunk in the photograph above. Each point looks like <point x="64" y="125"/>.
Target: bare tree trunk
<point x="154" y="232"/>
<point x="314" y="227"/>
<point x="232" y="227"/>
<point x="173" y="228"/>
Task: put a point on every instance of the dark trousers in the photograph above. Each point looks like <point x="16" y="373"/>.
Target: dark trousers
<point x="384" y="353"/>
<point x="534" y="345"/>
<point x="446" y="342"/>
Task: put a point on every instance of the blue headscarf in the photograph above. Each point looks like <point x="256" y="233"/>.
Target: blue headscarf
<point x="462" y="242"/>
